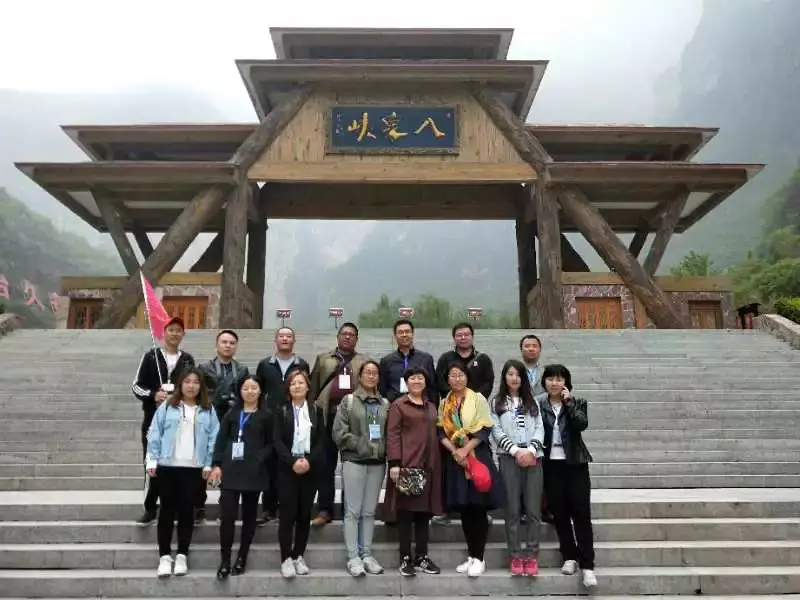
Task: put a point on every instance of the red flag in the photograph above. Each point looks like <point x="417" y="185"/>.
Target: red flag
<point x="157" y="315"/>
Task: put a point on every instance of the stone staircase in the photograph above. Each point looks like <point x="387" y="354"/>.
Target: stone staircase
<point x="696" y="479"/>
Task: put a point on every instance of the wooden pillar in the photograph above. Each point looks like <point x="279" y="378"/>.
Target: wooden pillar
<point x="113" y="221"/>
<point x="600" y="235"/>
<point x="527" y="270"/>
<point x="667" y="221"/>
<point x="549" y="233"/>
<point x="571" y="261"/>
<point x="639" y="239"/>
<point x="143" y="241"/>
<point x="256" y="267"/>
<point x="175" y="242"/>
<point x="211" y="260"/>
<point x="233" y="257"/>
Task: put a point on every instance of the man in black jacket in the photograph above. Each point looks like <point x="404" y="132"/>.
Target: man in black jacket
<point x="393" y="365"/>
<point x="480" y="370"/>
<point x="155" y="379"/>
<point x="271" y="372"/>
<point x="222" y="374"/>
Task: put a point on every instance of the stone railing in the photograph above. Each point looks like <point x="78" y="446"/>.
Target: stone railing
<point x="9" y="322"/>
<point x="781" y="327"/>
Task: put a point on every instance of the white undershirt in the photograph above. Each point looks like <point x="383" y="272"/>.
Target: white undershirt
<point x="184" y="444"/>
<point x="172" y="361"/>
<point x="556" y="449"/>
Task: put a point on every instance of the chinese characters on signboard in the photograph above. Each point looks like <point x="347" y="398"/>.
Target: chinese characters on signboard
<point x="393" y="129"/>
<point x="29" y="293"/>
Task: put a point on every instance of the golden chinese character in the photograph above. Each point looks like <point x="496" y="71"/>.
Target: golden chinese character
<point x="391" y="125"/>
<point x="429" y="122"/>
<point x="362" y="128"/>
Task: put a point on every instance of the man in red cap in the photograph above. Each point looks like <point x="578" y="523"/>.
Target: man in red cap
<point x="154" y="381"/>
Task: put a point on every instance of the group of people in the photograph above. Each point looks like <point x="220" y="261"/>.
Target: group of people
<point x="280" y="433"/>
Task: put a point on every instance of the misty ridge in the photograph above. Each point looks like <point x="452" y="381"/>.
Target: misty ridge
<point x="738" y="72"/>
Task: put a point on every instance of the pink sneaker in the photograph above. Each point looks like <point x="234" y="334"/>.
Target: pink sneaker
<point x="531" y="567"/>
<point x="517" y="567"/>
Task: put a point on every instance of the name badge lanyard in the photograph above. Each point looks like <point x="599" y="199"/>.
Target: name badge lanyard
<point x="242" y="420"/>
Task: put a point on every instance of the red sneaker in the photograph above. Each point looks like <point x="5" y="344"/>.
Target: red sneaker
<point x="517" y="567"/>
<point x="531" y="567"/>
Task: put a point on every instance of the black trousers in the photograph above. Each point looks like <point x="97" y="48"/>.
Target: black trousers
<point x="569" y="490"/>
<point x="326" y="480"/>
<point x="269" y="497"/>
<point x="475" y="525"/>
<point x="151" y="483"/>
<point x="177" y="488"/>
<point x="229" y="510"/>
<point x="296" y="497"/>
<point x="420" y="521"/>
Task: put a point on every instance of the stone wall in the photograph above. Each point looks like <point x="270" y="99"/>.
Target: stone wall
<point x="679" y="290"/>
<point x="781" y="327"/>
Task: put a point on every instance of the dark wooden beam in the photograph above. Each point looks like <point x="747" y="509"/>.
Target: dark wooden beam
<point x="112" y="218"/>
<point x="268" y="130"/>
<point x="256" y="267"/>
<point x="527" y="271"/>
<point x="169" y="251"/>
<point x="599" y="234"/>
<point x="143" y="241"/>
<point x="571" y="260"/>
<point x="524" y="142"/>
<point x="548" y="232"/>
<point x="639" y="239"/>
<point x="666" y="227"/>
<point x="211" y="260"/>
<point x="233" y="258"/>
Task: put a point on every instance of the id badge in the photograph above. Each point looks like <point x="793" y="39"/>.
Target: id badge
<point x="344" y="381"/>
<point x="403" y="386"/>
<point x="237" y="451"/>
<point x="374" y="432"/>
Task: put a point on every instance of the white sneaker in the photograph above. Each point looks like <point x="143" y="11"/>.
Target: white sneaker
<point x="164" y="566"/>
<point x="589" y="579"/>
<point x="181" y="568"/>
<point x="569" y="567"/>
<point x="372" y="566"/>
<point x="464" y="567"/>
<point x="287" y="569"/>
<point x="478" y="567"/>
<point x="300" y="566"/>
<point x="355" y="566"/>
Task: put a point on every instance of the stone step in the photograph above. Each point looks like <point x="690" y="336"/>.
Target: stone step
<point x="126" y="583"/>
<point x="675" y="529"/>
<point x="606" y="504"/>
<point x="620" y="468"/>
<point x="746" y="553"/>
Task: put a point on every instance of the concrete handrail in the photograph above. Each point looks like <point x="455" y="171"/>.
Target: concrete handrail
<point x="781" y="327"/>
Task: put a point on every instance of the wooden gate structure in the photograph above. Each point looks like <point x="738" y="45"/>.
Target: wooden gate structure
<point x="392" y="124"/>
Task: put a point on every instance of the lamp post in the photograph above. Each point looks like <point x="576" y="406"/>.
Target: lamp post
<point x="474" y="313"/>
<point x="335" y="313"/>
<point x="283" y="314"/>
<point x="406" y="312"/>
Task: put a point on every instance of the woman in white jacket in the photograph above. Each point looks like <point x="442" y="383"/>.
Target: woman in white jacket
<point x="519" y="433"/>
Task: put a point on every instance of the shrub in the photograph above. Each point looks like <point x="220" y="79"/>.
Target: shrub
<point x="788" y="308"/>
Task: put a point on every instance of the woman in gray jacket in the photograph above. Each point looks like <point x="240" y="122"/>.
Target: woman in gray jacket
<point x="359" y="431"/>
<point x="519" y="433"/>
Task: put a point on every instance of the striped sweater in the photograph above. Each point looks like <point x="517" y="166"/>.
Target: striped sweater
<point x="515" y="430"/>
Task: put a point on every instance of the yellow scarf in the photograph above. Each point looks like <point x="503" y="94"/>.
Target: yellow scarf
<point x="458" y="422"/>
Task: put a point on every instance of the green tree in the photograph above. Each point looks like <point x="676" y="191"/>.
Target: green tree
<point x="695" y="264"/>
<point x="431" y="312"/>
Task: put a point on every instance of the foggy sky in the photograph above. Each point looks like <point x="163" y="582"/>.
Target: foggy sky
<point x="604" y="54"/>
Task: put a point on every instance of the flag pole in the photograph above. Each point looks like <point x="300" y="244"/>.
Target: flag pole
<point x="150" y="325"/>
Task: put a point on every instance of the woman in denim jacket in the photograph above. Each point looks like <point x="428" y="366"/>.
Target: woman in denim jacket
<point x="180" y="447"/>
<point x="519" y="433"/>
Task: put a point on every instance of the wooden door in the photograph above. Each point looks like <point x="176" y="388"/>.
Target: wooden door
<point x="599" y="313"/>
<point x="705" y="314"/>
<point x="192" y="309"/>
<point x="84" y="312"/>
